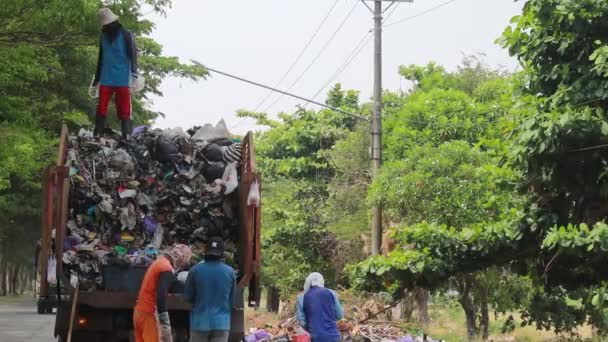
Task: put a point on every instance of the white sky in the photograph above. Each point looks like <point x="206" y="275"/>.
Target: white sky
<point x="260" y="39"/>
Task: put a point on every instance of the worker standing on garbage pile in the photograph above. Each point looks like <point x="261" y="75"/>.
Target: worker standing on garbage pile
<point x="152" y="298"/>
<point x="116" y="65"/>
<point x="210" y="289"/>
<point x="319" y="310"/>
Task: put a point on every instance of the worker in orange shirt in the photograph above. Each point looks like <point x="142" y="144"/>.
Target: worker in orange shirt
<point x="150" y="316"/>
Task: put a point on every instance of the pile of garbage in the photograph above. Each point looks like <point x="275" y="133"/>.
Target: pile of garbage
<point x="374" y="331"/>
<point x="130" y="200"/>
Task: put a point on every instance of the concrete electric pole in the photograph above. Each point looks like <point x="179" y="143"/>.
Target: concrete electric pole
<point x="377" y="124"/>
<point x="376" y="150"/>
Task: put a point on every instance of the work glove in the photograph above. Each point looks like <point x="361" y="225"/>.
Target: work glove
<point x="165" y="327"/>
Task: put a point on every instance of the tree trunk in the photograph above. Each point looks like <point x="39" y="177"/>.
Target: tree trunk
<point x="422" y="306"/>
<point x="15" y="280"/>
<point x="273" y="299"/>
<point x="407" y="307"/>
<point x="3" y="269"/>
<point x="7" y="278"/>
<point x="466" y="301"/>
<point x="484" y="321"/>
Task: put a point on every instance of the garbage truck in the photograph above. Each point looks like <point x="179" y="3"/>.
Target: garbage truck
<point x="103" y="314"/>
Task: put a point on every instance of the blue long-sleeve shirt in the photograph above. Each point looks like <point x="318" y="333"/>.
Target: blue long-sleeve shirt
<point x="318" y="310"/>
<point x="210" y="289"/>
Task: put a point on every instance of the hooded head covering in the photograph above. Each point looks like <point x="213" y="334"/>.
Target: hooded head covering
<point x="181" y="255"/>
<point x="314" y="280"/>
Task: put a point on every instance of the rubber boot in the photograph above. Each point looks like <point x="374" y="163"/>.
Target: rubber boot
<point x="127" y="128"/>
<point x="100" y="125"/>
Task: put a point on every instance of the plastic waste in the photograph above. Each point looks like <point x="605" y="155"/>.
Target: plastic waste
<point x="128" y="218"/>
<point x="182" y="276"/>
<point x="137" y="83"/>
<point x="93" y="90"/>
<point x="214" y="171"/>
<point x="127" y="193"/>
<point x="121" y="160"/>
<point x="51" y="272"/>
<point x="176" y="132"/>
<point x="157" y="239"/>
<point x="253" y="199"/>
<point x="138" y="130"/>
<point x="210" y="133"/>
<point x="214" y="152"/>
<point x="230" y="179"/>
<point x="166" y="150"/>
<point x="150" y="224"/>
<point x="232" y="153"/>
<point x="85" y="133"/>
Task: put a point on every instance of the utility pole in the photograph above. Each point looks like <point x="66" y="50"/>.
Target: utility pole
<point x="377" y="124"/>
<point x="376" y="150"/>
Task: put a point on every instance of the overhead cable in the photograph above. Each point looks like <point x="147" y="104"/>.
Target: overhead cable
<point x="317" y="56"/>
<point x="295" y="62"/>
<point x="281" y="91"/>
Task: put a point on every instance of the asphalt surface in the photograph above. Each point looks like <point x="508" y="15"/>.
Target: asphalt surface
<point x="19" y="322"/>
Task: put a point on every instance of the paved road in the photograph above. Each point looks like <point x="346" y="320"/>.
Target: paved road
<point x="19" y="322"/>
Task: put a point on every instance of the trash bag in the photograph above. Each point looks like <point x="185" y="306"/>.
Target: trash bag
<point x="182" y="276"/>
<point x="253" y="199"/>
<point x="210" y="133"/>
<point x="230" y="179"/>
<point x="157" y="239"/>
<point x="215" y="171"/>
<point x="121" y="160"/>
<point x="137" y="83"/>
<point x="166" y="150"/>
<point x="176" y="132"/>
<point x="150" y="225"/>
<point x="214" y="153"/>
<point x="51" y="271"/>
<point x="93" y="89"/>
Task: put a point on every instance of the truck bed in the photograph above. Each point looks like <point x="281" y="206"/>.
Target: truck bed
<point x="55" y="199"/>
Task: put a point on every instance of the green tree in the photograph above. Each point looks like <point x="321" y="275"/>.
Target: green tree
<point x="557" y="237"/>
<point x="48" y="51"/>
<point x="444" y="178"/>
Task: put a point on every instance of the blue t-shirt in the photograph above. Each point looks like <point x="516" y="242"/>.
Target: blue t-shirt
<point x="210" y="289"/>
<point x="321" y="311"/>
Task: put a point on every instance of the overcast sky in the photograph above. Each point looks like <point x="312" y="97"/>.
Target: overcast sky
<point x="260" y="40"/>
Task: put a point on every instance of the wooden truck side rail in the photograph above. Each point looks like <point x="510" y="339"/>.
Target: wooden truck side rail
<point x="250" y="228"/>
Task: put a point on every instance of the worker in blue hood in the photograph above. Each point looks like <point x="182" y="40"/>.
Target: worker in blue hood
<point x="319" y="310"/>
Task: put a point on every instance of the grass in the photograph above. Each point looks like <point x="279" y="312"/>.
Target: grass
<point x="448" y="323"/>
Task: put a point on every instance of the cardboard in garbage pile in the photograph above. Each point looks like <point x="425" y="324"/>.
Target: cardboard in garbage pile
<point x="129" y="201"/>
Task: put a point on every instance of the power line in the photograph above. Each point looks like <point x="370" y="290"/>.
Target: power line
<point x="299" y="55"/>
<point x="280" y="91"/>
<point x="317" y="56"/>
<point x="356" y="51"/>
<point x="420" y="14"/>
<point x="353" y="55"/>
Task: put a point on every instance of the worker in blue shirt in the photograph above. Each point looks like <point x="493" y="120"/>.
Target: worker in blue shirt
<point x="319" y="310"/>
<point x="210" y="289"/>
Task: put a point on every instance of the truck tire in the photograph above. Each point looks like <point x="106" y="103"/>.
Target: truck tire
<point x="40" y="306"/>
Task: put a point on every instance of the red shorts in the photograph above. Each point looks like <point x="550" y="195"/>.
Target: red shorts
<point x="122" y="99"/>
